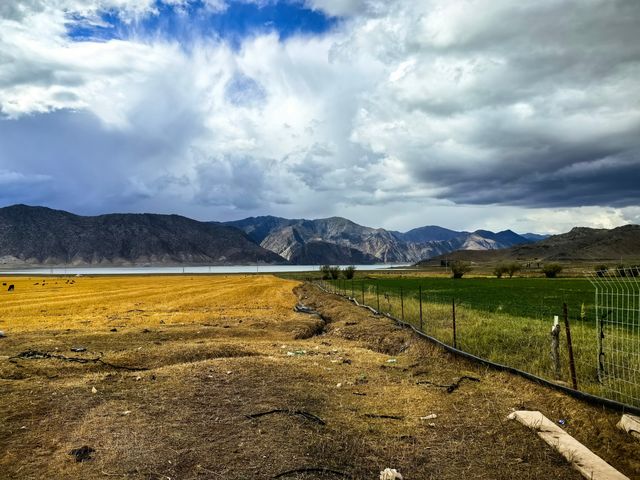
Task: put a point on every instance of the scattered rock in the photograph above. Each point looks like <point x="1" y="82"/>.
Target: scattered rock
<point x="429" y="417"/>
<point x="392" y="360"/>
<point x="94" y="390"/>
<point x="82" y="454"/>
<point x="390" y="474"/>
<point x="78" y="349"/>
<point x="113" y="330"/>
<point x="296" y="352"/>
<point x="2" y="334"/>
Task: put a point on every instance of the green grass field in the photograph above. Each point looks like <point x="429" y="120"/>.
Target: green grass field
<point x="538" y="298"/>
<point x="508" y="321"/>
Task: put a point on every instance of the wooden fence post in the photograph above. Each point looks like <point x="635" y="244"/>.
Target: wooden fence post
<point x="555" y="347"/>
<point x="401" y="303"/>
<point x="378" y="293"/>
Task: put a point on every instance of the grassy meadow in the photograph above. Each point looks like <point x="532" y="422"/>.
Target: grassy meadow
<point x="508" y="321"/>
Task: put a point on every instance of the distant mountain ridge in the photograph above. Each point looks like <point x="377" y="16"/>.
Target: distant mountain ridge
<point x="43" y="236"/>
<point x="304" y="241"/>
<point x="579" y="244"/>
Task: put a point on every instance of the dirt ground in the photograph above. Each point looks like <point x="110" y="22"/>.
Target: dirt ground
<point x="177" y="371"/>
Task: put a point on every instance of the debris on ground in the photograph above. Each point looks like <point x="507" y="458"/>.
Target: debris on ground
<point x="589" y="464"/>
<point x="38" y="355"/>
<point x="450" y="388"/>
<point x="78" y="349"/>
<point x="321" y="470"/>
<point x="2" y="334"/>
<point x="388" y="417"/>
<point x="296" y="352"/>
<point x="82" y="454"/>
<point x="304" y="309"/>
<point x="429" y="417"/>
<point x="630" y="424"/>
<point x="306" y="415"/>
<point x="390" y="474"/>
<point x="94" y="390"/>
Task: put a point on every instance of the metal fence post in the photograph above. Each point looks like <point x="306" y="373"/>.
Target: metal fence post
<point x="572" y="365"/>
<point x="453" y="311"/>
<point x="420" y="295"/>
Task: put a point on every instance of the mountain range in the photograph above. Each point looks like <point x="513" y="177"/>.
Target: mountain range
<point x="31" y="235"/>
<point x="42" y="236"/>
<point x="338" y="240"/>
<point x="621" y="244"/>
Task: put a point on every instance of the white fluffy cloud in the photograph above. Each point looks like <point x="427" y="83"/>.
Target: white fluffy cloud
<point x="524" y="109"/>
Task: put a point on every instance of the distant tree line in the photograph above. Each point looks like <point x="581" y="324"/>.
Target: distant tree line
<point x="330" y="272"/>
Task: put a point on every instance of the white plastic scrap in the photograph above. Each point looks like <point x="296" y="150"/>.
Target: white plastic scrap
<point x="390" y="474"/>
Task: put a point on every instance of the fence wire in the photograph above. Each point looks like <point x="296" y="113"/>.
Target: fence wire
<point x="617" y="300"/>
<point x="517" y="332"/>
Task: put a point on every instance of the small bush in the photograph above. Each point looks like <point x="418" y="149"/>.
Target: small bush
<point x="349" y="272"/>
<point x="459" y="268"/>
<point x="552" y="270"/>
<point x="335" y="272"/>
<point x="500" y="270"/>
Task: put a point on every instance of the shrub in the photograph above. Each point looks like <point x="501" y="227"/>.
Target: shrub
<point x="325" y="270"/>
<point x="551" y="270"/>
<point x="335" y="272"/>
<point x="513" y="268"/>
<point x="500" y="270"/>
<point x="459" y="268"/>
<point x="349" y="272"/>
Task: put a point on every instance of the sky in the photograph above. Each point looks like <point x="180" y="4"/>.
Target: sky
<point x="467" y="114"/>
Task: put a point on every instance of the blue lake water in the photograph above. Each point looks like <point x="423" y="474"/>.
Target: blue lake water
<point x="180" y="270"/>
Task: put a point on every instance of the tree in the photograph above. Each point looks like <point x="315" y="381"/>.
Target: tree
<point x="551" y="270"/>
<point x="500" y="270"/>
<point x="459" y="268"/>
<point x="335" y="272"/>
<point x="513" y="268"/>
<point x="349" y="272"/>
<point x="325" y="270"/>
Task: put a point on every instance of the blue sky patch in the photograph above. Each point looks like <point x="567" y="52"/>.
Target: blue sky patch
<point x="241" y="19"/>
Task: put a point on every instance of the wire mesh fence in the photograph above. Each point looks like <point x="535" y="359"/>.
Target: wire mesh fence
<point x="510" y="322"/>
<point x="617" y="302"/>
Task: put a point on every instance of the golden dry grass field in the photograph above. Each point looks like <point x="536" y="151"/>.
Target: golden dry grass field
<point x="175" y="366"/>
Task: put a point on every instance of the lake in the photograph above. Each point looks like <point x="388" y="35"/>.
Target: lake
<point x="180" y="270"/>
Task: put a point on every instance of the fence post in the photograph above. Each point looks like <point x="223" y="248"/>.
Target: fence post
<point x="555" y="347"/>
<point x="420" y="295"/>
<point x="352" y="296"/>
<point x="401" y="303"/>
<point x="453" y="311"/>
<point x="362" y="284"/>
<point x="572" y="365"/>
<point x="378" y="293"/>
